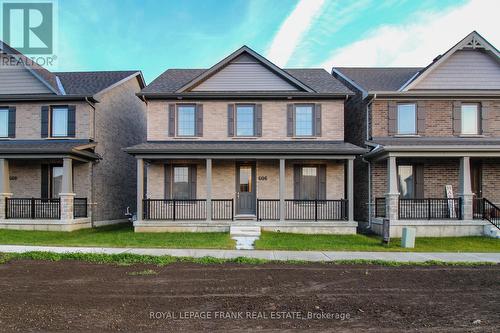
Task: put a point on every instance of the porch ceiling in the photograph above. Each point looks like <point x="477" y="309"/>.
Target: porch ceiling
<point x="262" y="149"/>
<point x="56" y="148"/>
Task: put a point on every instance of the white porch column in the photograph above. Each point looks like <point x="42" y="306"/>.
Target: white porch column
<point x="209" y="189"/>
<point x="392" y="195"/>
<point x="67" y="194"/>
<point x="140" y="188"/>
<point x="350" y="189"/>
<point x="465" y="188"/>
<point x="4" y="185"/>
<point x="282" y="189"/>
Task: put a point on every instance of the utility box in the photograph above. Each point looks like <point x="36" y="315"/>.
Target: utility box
<point x="386" y="232"/>
<point x="408" y="237"/>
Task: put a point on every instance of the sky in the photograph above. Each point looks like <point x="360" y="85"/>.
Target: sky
<point x="154" y="35"/>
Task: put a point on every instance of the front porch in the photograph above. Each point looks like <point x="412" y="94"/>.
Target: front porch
<point x="276" y="192"/>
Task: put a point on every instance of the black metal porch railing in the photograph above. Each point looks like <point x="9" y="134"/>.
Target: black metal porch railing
<point x="32" y="208"/>
<point x="303" y="210"/>
<point x="222" y="209"/>
<point x="80" y="207"/>
<point x="380" y="207"/>
<point x="268" y="209"/>
<point x="174" y="209"/>
<point x="491" y="212"/>
<point x="430" y="209"/>
<point x="478" y="208"/>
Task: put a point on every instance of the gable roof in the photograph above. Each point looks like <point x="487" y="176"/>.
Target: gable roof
<point x="91" y="83"/>
<point x="242" y="51"/>
<point x="377" y="78"/>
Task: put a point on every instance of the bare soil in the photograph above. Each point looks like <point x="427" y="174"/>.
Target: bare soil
<point x="78" y="296"/>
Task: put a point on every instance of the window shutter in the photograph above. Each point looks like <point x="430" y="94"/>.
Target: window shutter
<point x="419" y="181"/>
<point x="168" y="180"/>
<point x="71" y="120"/>
<point x="421" y="113"/>
<point x="258" y="119"/>
<point x="171" y="120"/>
<point x="45" y="122"/>
<point x="393" y="115"/>
<point x="199" y="120"/>
<point x="12" y="122"/>
<point x="317" y="119"/>
<point x="322" y="182"/>
<point x="485" y="112"/>
<point x="289" y="120"/>
<point x="192" y="181"/>
<point x="457" y="117"/>
<point x="44" y="191"/>
<point x="296" y="181"/>
<point x="230" y="120"/>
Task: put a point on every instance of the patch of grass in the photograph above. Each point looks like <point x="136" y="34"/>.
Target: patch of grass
<point x="134" y="259"/>
<point x="303" y="242"/>
<point x="144" y="272"/>
<point x="121" y="235"/>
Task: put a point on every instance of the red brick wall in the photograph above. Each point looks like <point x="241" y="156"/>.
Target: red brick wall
<point x="491" y="180"/>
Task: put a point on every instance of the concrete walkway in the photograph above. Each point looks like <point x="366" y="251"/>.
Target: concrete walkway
<point x="270" y="255"/>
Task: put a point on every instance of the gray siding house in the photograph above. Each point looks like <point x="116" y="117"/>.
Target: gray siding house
<point x="245" y="143"/>
<point x="434" y="140"/>
<point x="61" y="134"/>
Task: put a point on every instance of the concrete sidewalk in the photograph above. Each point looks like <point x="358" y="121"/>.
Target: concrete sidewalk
<point x="270" y="255"/>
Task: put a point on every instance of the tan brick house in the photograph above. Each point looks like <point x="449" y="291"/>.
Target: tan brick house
<point x="245" y="142"/>
<point x="61" y="134"/>
<point x="434" y="140"/>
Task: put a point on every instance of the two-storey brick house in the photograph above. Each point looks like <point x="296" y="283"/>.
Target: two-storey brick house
<point x="245" y="142"/>
<point x="61" y="134"/>
<point x="434" y="140"/>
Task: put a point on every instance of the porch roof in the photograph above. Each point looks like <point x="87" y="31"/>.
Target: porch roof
<point x="48" y="148"/>
<point x="444" y="146"/>
<point x="291" y="149"/>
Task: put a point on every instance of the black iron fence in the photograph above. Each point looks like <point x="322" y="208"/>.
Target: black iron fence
<point x="174" y="209"/>
<point x="430" y="209"/>
<point x="478" y="208"/>
<point x="491" y="212"/>
<point x="80" y="207"/>
<point x="222" y="209"/>
<point x="268" y="209"/>
<point x="33" y="208"/>
<point x="303" y="210"/>
<point x="379" y="207"/>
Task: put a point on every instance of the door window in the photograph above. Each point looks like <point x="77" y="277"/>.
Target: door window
<point x="406" y="181"/>
<point x="245" y="179"/>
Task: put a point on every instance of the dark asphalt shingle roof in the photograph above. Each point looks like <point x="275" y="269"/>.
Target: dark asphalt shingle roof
<point x="90" y="83"/>
<point x="73" y="146"/>
<point x="379" y="78"/>
<point x="316" y="78"/>
<point x="435" y="141"/>
<point x="247" y="147"/>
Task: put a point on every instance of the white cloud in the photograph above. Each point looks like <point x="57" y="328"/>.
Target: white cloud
<point x="292" y="30"/>
<point x="426" y="35"/>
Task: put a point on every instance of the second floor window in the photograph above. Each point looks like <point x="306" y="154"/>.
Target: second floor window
<point x="186" y="120"/>
<point x="304" y="120"/>
<point x="245" y="120"/>
<point x="470" y="119"/>
<point x="4" y="123"/>
<point x="407" y="118"/>
<point x="59" y="122"/>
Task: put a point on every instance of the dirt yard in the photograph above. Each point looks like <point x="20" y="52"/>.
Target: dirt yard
<point x="77" y="296"/>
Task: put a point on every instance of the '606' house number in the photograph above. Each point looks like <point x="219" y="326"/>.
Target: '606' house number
<point x="262" y="178"/>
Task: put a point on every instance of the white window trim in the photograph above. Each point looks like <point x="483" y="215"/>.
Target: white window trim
<point x="313" y="125"/>
<point x="6" y="110"/>
<point x="398" y="133"/>
<point x="177" y="118"/>
<point x="236" y="121"/>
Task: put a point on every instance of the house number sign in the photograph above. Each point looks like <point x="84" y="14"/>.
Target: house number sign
<point x="262" y="178"/>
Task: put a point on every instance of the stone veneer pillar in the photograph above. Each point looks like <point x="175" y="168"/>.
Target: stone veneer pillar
<point x="392" y="195"/>
<point x="465" y="188"/>
<point x="4" y="186"/>
<point x="67" y="194"/>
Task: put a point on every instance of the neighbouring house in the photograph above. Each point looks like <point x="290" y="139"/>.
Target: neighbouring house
<point x="434" y="140"/>
<point x="61" y="134"/>
<point x="245" y="142"/>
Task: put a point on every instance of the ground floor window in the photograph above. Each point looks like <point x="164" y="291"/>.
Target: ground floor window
<point x="411" y="181"/>
<point x="52" y="179"/>
<point x="180" y="182"/>
<point x="310" y="182"/>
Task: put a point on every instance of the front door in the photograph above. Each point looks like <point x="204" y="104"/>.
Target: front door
<point x="245" y="188"/>
<point x="476" y="178"/>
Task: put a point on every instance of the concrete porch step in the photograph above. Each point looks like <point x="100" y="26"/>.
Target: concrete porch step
<point x="245" y="217"/>
<point x="244" y="230"/>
